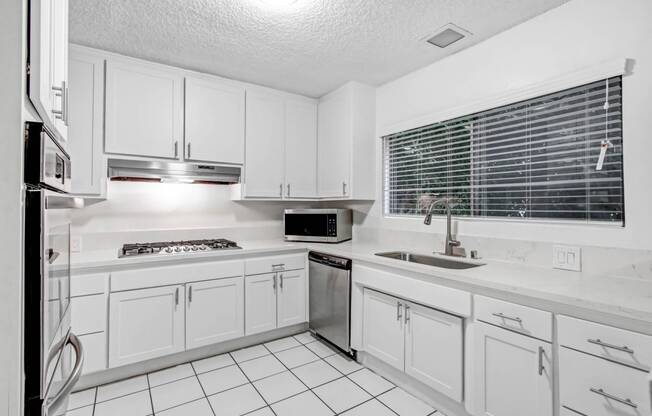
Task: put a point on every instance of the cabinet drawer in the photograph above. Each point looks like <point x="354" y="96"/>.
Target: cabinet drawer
<point x="88" y="284"/>
<point x="629" y="348"/>
<point x="597" y="387"/>
<point x="275" y="264"/>
<point x="94" y="352"/>
<point x="88" y="314"/>
<point x="519" y="318"/>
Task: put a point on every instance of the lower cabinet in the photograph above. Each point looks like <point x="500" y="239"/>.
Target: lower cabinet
<point x="214" y="311"/>
<point x="160" y="310"/>
<point x="94" y="352"/>
<point x="513" y="373"/>
<point x="425" y="343"/>
<point x="274" y="300"/>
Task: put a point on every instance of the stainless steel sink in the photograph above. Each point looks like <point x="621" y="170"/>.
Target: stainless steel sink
<point x="428" y="260"/>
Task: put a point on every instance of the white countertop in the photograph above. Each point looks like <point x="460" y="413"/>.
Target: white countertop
<point x="625" y="302"/>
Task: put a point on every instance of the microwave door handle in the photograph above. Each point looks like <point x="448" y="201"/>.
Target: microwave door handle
<point x="75" y="374"/>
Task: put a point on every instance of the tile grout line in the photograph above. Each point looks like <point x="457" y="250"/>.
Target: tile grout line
<point x="149" y="391"/>
<point x="252" y="384"/>
<point x="309" y="389"/>
<point x="379" y="394"/>
<point x="94" y="401"/>
<point x="202" y="389"/>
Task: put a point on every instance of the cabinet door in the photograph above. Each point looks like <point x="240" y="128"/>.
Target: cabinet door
<point x="265" y="146"/>
<point x="215" y="121"/>
<point x="60" y="65"/>
<point x="145" y="324"/>
<point x="85" y="138"/>
<point x="334" y="145"/>
<point x="94" y="352"/>
<point x="144" y="109"/>
<point x="214" y="311"/>
<point x="383" y="328"/>
<point x="291" y="297"/>
<point x="301" y="150"/>
<point x="513" y="373"/>
<point x="434" y="349"/>
<point x="260" y="303"/>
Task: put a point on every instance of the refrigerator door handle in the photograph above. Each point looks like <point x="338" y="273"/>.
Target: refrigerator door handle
<point x="55" y="402"/>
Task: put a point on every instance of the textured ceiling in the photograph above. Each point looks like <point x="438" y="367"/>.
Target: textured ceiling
<point x="309" y="47"/>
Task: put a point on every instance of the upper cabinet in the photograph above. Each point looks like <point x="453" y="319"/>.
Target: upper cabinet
<point x="144" y="109"/>
<point x="86" y="122"/>
<point x="215" y="121"/>
<point x="300" y="149"/>
<point x="265" y="145"/>
<point x="48" y="65"/>
<point x="346" y="145"/>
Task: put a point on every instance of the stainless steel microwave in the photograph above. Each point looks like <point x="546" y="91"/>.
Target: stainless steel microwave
<point x="328" y="225"/>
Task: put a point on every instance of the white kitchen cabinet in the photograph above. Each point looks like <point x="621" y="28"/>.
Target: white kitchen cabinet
<point x="214" y="121"/>
<point x="48" y="66"/>
<point x="144" y="109"/>
<point x="291" y="298"/>
<point x="85" y="135"/>
<point x="424" y="343"/>
<point x="434" y="349"/>
<point x="94" y="352"/>
<point x="383" y="328"/>
<point x="300" y="149"/>
<point x="265" y="145"/>
<point x="160" y="311"/>
<point x="513" y="373"/>
<point x="346" y="143"/>
<point x="214" y="311"/>
<point x="260" y="303"/>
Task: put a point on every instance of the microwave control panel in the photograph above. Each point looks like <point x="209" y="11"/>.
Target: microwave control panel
<point x="331" y="225"/>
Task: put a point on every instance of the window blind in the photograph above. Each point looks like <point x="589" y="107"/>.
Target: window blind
<point x="535" y="159"/>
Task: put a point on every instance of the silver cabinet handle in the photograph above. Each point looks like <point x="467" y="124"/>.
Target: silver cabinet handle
<point x="190" y="294"/>
<point x="176" y="148"/>
<point x="274" y="283"/>
<point x="541" y="366"/>
<point x="280" y="190"/>
<point x="53" y="404"/>
<point x="62" y="91"/>
<point x="407" y="314"/>
<point x="509" y="318"/>
<point x="288" y="186"/>
<point x="624" y="348"/>
<point x="188" y="146"/>
<point x="343" y="188"/>
<point x="176" y="297"/>
<point x="399" y="311"/>
<point x="280" y="276"/>
<point x="603" y="393"/>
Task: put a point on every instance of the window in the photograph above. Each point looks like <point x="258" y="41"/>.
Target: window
<point x="536" y="159"/>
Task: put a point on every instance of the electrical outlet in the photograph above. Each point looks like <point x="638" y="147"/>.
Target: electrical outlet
<point x="567" y="258"/>
<point x="75" y="244"/>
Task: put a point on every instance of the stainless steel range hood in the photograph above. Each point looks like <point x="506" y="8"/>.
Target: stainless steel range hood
<point x="140" y="170"/>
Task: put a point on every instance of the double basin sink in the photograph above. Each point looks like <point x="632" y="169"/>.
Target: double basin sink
<point x="434" y="261"/>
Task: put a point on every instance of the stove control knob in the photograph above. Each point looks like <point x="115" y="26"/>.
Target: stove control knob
<point x="177" y="249"/>
<point x="186" y="248"/>
<point x="194" y="248"/>
<point x="203" y="247"/>
<point x="168" y="249"/>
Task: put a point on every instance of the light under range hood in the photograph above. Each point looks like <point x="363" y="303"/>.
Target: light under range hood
<point x="140" y="170"/>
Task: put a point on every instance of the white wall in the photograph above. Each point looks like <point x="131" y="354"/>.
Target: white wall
<point x="12" y="93"/>
<point x="575" y="36"/>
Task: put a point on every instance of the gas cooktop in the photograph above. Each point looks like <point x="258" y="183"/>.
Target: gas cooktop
<point x="176" y="247"/>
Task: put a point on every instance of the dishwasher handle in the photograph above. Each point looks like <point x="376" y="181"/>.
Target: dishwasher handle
<point x="328" y="260"/>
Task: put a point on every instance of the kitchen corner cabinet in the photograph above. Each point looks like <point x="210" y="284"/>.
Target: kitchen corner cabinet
<point x="265" y="145"/>
<point x="144" y="109"/>
<point x="160" y="310"/>
<point x="48" y="66"/>
<point x="214" y="121"/>
<point x="214" y="311"/>
<point x="87" y="122"/>
<point x="346" y="143"/>
<point x="425" y="343"/>
<point x="513" y="373"/>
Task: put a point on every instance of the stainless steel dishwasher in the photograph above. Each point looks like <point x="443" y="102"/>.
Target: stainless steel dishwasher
<point x="330" y="298"/>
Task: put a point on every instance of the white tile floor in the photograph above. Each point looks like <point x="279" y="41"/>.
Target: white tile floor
<point x="292" y="376"/>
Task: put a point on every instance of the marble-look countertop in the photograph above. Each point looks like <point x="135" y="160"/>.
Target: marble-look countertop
<point x="624" y="302"/>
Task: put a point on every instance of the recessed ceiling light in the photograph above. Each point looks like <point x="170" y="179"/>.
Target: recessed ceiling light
<point x="447" y="35"/>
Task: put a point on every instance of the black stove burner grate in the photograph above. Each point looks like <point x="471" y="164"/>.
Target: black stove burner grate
<point x="169" y="247"/>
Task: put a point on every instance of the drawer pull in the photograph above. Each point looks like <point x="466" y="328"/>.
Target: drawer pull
<point x="509" y="318"/>
<point x="399" y="311"/>
<point x="541" y="366"/>
<point x="602" y="393"/>
<point x="613" y="347"/>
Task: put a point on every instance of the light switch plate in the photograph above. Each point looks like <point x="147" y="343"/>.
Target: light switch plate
<point x="75" y="244"/>
<point x="567" y="258"/>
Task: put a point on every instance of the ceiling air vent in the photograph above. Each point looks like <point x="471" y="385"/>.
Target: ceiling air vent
<point x="447" y="35"/>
